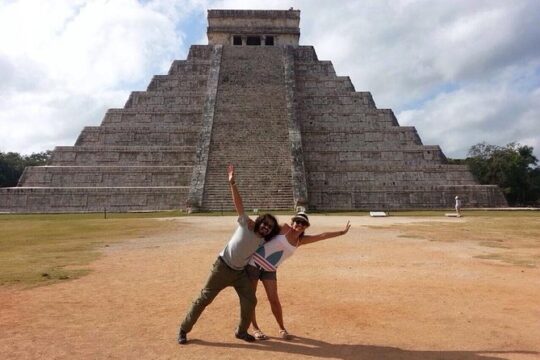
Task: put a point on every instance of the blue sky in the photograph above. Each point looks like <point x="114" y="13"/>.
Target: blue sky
<point x="461" y="72"/>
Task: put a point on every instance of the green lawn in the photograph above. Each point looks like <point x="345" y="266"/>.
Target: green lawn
<point x="512" y="237"/>
<point x="43" y="249"/>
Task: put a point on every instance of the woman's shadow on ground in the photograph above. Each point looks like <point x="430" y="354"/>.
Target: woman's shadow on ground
<point x="322" y="349"/>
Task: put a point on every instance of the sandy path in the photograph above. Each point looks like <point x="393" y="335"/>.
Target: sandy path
<point x="368" y="295"/>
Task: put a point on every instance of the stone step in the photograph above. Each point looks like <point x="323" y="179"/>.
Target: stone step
<point x="138" y="136"/>
<point x="106" y="176"/>
<point x="92" y="199"/>
<point x="123" y="156"/>
<point x="260" y="204"/>
<point x="279" y="186"/>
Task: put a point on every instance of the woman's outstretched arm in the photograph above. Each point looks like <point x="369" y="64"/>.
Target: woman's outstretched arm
<point x="307" y="239"/>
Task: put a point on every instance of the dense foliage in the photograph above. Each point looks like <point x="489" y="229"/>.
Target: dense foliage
<point x="12" y="165"/>
<point x="511" y="167"/>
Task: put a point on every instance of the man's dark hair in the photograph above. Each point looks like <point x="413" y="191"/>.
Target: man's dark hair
<point x="270" y="219"/>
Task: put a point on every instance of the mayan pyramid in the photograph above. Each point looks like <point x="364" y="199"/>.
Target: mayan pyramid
<point x="298" y="134"/>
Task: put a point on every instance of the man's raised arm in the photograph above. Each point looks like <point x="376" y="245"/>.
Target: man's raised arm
<point x="237" y="199"/>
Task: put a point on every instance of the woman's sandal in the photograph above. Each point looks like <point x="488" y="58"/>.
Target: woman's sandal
<point x="259" y="335"/>
<point x="285" y="335"/>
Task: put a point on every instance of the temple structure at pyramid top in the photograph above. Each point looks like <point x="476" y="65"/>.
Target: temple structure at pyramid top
<point x="297" y="133"/>
<point x="254" y="27"/>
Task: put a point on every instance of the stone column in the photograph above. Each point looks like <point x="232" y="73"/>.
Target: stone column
<point x="300" y="193"/>
<point x="196" y="190"/>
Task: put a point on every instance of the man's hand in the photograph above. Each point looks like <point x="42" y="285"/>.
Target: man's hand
<point x="230" y="171"/>
<point x="237" y="199"/>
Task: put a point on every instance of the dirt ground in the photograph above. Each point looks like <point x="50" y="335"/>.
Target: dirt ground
<point x="368" y="295"/>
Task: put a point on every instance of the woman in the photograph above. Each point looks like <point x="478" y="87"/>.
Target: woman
<point x="265" y="261"/>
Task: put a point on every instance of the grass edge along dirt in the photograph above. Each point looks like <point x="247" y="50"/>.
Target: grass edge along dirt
<point x="41" y="249"/>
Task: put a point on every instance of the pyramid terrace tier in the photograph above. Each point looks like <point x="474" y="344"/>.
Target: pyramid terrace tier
<point x="352" y="139"/>
<point x="373" y="177"/>
<point x="370" y="119"/>
<point x="199" y="52"/>
<point x="164" y="100"/>
<point x="410" y="155"/>
<point x="112" y="199"/>
<point x="135" y="118"/>
<point x="139" y="135"/>
<point x="331" y="98"/>
<point x="185" y="85"/>
<point x="106" y="176"/>
<point x="123" y="156"/>
<point x="335" y="86"/>
<point x="422" y="197"/>
<point x="307" y="69"/>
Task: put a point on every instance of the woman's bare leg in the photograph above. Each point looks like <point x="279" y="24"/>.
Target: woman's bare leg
<point x="270" y="286"/>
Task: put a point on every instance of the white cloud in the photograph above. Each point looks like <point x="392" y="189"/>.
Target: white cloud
<point x="71" y="60"/>
<point x="493" y="112"/>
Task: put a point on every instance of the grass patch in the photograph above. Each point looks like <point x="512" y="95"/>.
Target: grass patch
<point x="514" y="259"/>
<point x="44" y="249"/>
<point x="514" y="234"/>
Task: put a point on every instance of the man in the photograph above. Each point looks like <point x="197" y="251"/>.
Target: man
<point x="228" y="269"/>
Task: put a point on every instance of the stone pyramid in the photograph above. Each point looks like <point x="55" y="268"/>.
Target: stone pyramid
<point x="298" y="134"/>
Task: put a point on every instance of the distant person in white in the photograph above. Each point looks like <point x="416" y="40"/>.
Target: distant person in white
<point x="458" y="206"/>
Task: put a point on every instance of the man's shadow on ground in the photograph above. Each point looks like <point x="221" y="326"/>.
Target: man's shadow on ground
<point x="322" y="349"/>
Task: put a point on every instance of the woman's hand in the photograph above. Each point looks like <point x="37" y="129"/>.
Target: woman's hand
<point x="347" y="227"/>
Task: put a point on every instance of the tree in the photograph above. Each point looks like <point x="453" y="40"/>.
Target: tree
<point x="12" y="165"/>
<point x="511" y="167"/>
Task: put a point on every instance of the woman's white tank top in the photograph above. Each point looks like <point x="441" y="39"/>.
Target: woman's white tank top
<point x="270" y="255"/>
